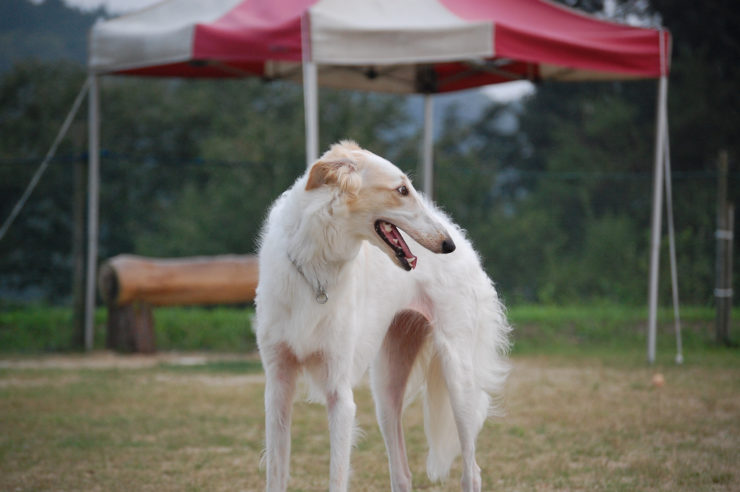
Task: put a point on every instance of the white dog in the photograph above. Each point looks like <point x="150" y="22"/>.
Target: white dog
<point x="341" y="290"/>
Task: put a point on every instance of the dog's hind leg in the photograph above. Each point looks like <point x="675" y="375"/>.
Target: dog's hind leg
<point x="390" y="373"/>
<point x="281" y="370"/>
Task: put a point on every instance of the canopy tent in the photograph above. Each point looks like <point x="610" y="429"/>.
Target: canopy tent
<point x="421" y="45"/>
<point x="411" y="46"/>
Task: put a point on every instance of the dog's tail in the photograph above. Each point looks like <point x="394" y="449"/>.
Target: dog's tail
<point x="490" y="367"/>
<point x="439" y="423"/>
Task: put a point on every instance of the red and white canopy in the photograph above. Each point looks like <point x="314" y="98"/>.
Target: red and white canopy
<point x="424" y="46"/>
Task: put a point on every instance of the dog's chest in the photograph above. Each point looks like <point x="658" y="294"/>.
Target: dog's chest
<point x="319" y="328"/>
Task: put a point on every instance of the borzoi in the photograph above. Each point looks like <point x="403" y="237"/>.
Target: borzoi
<point x="341" y="290"/>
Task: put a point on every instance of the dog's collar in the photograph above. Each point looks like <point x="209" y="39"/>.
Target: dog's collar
<point x="320" y="289"/>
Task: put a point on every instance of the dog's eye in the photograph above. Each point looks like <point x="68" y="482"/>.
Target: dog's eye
<point x="402" y="190"/>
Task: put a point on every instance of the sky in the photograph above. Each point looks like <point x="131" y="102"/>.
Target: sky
<point x="510" y="91"/>
<point x="502" y="93"/>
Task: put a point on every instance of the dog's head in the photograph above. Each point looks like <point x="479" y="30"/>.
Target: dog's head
<point x="376" y="199"/>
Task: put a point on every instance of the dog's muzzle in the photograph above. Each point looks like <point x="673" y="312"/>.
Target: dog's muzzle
<point x="389" y="233"/>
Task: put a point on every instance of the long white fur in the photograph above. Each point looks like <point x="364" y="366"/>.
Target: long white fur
<point x="324" y="236"/>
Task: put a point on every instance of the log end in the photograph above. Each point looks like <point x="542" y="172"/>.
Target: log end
<point x="108" y="284"/>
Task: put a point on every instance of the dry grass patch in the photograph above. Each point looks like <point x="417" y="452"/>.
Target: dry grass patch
<point x="570" y="425"/>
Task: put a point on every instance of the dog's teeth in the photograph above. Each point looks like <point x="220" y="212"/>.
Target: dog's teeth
<point x="395" y="241"/>
<point x="387" y="227"/>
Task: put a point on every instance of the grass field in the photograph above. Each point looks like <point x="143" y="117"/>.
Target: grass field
<point x="605" y="330"/>
<point x="581" y="412"/>
<point x="139" y="423"/>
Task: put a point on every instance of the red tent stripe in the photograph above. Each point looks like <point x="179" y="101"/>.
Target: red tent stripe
<point x="544" y="32"/>
<point x="253" y="30"/>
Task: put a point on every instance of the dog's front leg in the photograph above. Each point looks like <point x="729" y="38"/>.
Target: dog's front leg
<point x="281" y="372"/>
<point x="341" y="408"/>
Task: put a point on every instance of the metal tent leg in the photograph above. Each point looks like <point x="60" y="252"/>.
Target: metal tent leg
<point x="661" y="127"/>
<point x="92" y="208"/>
<point x="672" y="250"/>
<point x="311" y="111"/>
<point x="428" y="147"/>
<point x="310" y="93"/>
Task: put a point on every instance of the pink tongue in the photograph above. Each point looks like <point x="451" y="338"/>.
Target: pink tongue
<point x="397" y="239"/>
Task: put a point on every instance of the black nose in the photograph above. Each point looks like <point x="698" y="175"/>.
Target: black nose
<point x="448" y="246"/>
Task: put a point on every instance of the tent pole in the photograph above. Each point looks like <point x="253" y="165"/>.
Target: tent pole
<point x="660" y="132"/>
<point x="672" y="248"/>
<point x="92" y="208"/>
<point x="428" y="150"/>
<point x="311" y="111"/>
<point x="310" y="93"/>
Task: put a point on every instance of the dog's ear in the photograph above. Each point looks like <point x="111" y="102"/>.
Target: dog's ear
<point x="340" y="173"/>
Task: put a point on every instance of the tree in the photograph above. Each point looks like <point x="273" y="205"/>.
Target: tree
<point x="35" y="254"/>
<point x="252" y="152"/>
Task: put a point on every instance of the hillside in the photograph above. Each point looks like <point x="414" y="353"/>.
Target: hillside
<point x="43" y="31"/>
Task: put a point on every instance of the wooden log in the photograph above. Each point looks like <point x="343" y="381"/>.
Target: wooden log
<point x="225" y="279"/>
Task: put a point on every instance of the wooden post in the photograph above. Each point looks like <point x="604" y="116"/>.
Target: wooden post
<point x="724" y="291"/>
<point x="728" y="271"/>
<point x="724" y="235"/>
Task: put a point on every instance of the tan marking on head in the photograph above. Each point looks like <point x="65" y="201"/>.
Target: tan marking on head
<point x="380" y="190"/>
<point x="342" y="174"/>
<point x="338" y="167"/>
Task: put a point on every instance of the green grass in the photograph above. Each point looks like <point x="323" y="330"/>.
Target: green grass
<point x="38" y="329"/>
<point x="215" y="367"/>
<point x="192" y="328"/>
<point x="617" y="333"/>
<point x="30" y="329"/>
<point x="610" y="332"/>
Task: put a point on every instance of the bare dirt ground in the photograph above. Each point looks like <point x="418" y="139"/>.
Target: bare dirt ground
<point x="111" y="360"/>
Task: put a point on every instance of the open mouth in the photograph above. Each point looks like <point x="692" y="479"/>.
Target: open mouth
<point x="392" y="237"/>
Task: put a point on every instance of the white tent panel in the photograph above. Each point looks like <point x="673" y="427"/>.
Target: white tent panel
<point x="410" y="31"/>
<point x="160" y="34"/>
